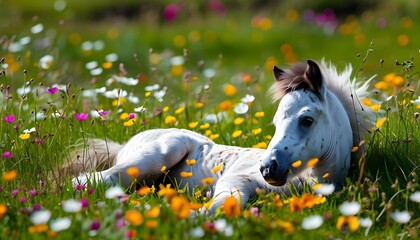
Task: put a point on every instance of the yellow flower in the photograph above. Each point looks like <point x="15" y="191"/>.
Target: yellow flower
<point x="10" y="175"/>
<point x="325" y="175"/>
<point x="380" y="122"/>
<point x="124" y="116"/>
<point x="129" y="123"/>
<point x="236" y="133"/>
<point x="388" y="78"/>
<point x="297" y="164"/>
<point x="345" y="223"/>
<point x="167" y="192"/>
<point x="286" y="226"/>
<point x="277" y="202"/>
<point x="179" y="110"/>
<point x="229" y="90"/>
<point x="214" y="136"/>
<point x="191" y="162"/>
<point x="217" y="168"/>
<point x="268" y="137"/>
<point x="354" y="149"/>
<point x="208" y="132"/>
<point x="163" y="169"/>
<point x="238" y="120"/>
<point x="186" y="174"/>
<point x="24" y="136"/>
<point x="133" y="172"/>
<point x="367" y="102"/>
<point x="205" y="126"/>
<point x="118" y="102"/>
<point x="259" y="114"/>
<point x="153" y="212"/>
<point x="375" y="107"/>
<point x="256" y="131"/>
<point x="147" y="94"/>
<point x="398" y="81"/>
<point x="176" y="70"/>
<point x="170" y="120"/>
<point x="208" y="204"/>
<point x="312" y="162"/>
<point x="208" y="180"/>
<point x="261" y="145"/>
<point x="231" y="208"/>
<point x="107" y="65"/>
<point x="180" y="205"/>
<point x="134" y="217"/>
<point x="381" y="85"/>
<point x="199" y="105"/>
<point x="192" y="124"/>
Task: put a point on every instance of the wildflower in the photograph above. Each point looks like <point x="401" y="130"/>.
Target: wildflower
<point x="167" y="191"/>
<point x="297" y="164"/>
<point x="236" y="133"/>
<point x="71" y="206"/>
<point x="81" y="116"/>
<point x="46" y="62"/>
<point x="38" y="228"/>
<point x="285" y="226"/>
<point x="246" y="78"/>
<point x="345" y="223"/>
<point x="208" y="180"/>
<point x="197" y="232"/>
<point x="324" y="189"/>
<point x="375" y="107"/>
<point x="259" y="114"/>
<point x="95" y="225"/>
<point x="40" y="217"/>
<point x="10" y="175"/>
<point x="33" y="193"/>
<point x="130" y="233"/>
<point x="114" y="192"/>
<point x="163" y="169"/>
<point x="3" y="210"/>
<point x="380" y="122"/>
<point x="205" y="126"/>
<point x="6" y="154"/>
<point x="144" y="190"/>
<point x="133" y="172"/>
<point x="312" y="222"/>
<point x="140" y="109"/>
<point x="134" y="217"/>
<point x="241" y="108"/>
<point x="153" y="212"/>
<point x="312" y="162"/>
<point x="199" y="105"/>
<point x="229" y="90"/>
<point x="24" y="136"/>
<point x="225" y="105"/>
<point x="14" y="192"/>
<point x="277" y="202"/>
<point x="238" y="120"/>
<point x="349" y="208"/>
<point x="151" y="224"/>
<point x="84" y="202"/>
<point x="192" y="124"/>
<point x="191" y="162"/>
<point x="325" y="175"/>
<point x="10" y="118"/>
<point x="401" y="216"/>
<point x="256" y="131"/>
<point x="261" y="145"/>
<point x="217" y="168"/>
<point x="365" y="222"/>
<point x="170" y="120"/>
<point x="231" y="207"/>
<point x="186" y="174"/>
<point x="51" y="90"/>
<point x="415" y="197"/>
<point x="306" y="201"/>
<point x="180" y="205"/>
<point x="179" y="110"/>
<point x="354" y="149"/>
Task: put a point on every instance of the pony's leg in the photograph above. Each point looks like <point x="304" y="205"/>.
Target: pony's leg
<point x="149" y="157"/>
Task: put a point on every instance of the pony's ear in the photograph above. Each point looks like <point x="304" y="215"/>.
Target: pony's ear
<point x="313" y="77"/>
<point x="277" y="73"/>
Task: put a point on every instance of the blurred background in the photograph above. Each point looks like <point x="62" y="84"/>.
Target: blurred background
<point x="232" y="34"/>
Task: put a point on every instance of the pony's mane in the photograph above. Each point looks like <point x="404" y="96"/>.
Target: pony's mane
<point x="349" y="92"/>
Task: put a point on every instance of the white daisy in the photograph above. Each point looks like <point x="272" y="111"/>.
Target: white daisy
<point x="312" y="222"/>
<point x="349" y="208"/>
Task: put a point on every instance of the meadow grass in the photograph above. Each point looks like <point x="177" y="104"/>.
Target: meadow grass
<point x="44" y="99"/>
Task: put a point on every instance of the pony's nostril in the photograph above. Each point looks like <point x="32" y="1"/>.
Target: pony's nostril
<point x="273" y="167"/>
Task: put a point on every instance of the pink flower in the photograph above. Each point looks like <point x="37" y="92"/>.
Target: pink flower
<point x="33" y="193"/>
<point x="102" y="112"/>
<point x="52" y="90"/>
<point x="81" y="116"/>
<point x="170" y="12"/>
<point x="131" y="115"/>
<point x="7" y="155"/>
<point x="15" y="192"/>
<point x="95" y="225"/>
<point x="9" y="119"/>
<point x="84" y="202"/>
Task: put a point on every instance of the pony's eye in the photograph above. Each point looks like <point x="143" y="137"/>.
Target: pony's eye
<point x="307" y="121"/>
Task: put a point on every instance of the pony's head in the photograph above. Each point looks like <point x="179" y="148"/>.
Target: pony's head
<point x="310" y="123"/>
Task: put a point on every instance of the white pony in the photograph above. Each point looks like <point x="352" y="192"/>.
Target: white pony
<point x="319" y="116"/>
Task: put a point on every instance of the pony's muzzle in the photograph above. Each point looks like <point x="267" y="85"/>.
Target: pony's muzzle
<point x="272" y="172"/>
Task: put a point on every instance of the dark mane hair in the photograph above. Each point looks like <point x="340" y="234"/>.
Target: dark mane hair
<point x="291" y="79"/>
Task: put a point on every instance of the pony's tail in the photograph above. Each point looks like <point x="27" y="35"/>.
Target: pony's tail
<point x="91" y="155"/>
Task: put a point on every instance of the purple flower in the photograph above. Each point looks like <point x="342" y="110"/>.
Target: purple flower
<point x="170" y="12"/>
<point x="33" y="193"/>
<point x="102" y="112"/>
<point x="52" y="90"/>
<point x="90" y="191"/>
<point x="36" y="207"/>
<point x="79" y="187"/>
<point x="41" y="183"/>
<point x="81" y="116"/>
<point x="255" y="211"/>
<point x="6" y="155"/>
<point x="15" y="192"/>
<point x="23" y="200"/>
<point x="95" y="225"/>
<point x="120" y="223"/>
<point x="9" y="119"/>
<point x="131" y="115"/>
<point x="84" y="202"/>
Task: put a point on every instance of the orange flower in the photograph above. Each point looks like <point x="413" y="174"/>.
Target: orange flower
<point x="167" y="192"/>
<point x="354" y="149"/>
<point x="10" y="175"/>
<point x="38" y="228"/>
<point x="231" y="207"/>
<point x="297" y="164"/>
<point x="246" y="78"/>
<point x="186" y="174"/>
<point x="199" y="105"/>
<point x="191" y="162"/>
<point x="312" y="162"/>
<point x="133" y="172"/>
<point x="151" y="224"/>
<point x="229" y="90"/>
<point x="153" y="212"/>
<point x="306" y="201"/>
<point x="277" y="201"/>
<point x="144" y="190"/>
<point x="208" y="180"/>
<point x="225" y="105"/>
<point x="195" y="206"/>
<point x="180" y="205"/>
<point x="3" y="210"/>
<point x="217" y="168"/>
<point x="286" y="226"/>
<point x="134" y="217"/>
